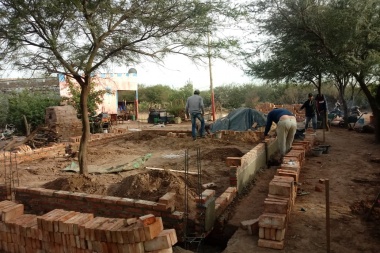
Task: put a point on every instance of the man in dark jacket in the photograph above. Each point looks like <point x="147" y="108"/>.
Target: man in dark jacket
<point x="321" y="103"/>
<point x="310" y="112"/>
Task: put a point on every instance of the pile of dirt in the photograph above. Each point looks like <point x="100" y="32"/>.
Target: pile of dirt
<point x="362" y="208"/>
<point x="77" y="183"/>
<point x="153" y="184"/>
<point x="142" y="136"/>
<point x="220" y="154"/>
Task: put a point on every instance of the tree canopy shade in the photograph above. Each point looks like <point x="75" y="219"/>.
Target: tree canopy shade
<point x="77" y="37"/>
<point x="316" y="41"/>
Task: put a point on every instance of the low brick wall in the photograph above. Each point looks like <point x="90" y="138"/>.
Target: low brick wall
<point x="39" y="200"/>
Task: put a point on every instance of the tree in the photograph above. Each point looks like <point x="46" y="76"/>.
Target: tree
<point x="95" y="97"/>
<point x="324" y="39"/>
<point x="77" y="38"/>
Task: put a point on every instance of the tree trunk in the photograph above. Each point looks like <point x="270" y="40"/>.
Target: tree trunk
<point x="376" y="121"/>
<point x="374" y="102"/>
<point x="82" y="154"/>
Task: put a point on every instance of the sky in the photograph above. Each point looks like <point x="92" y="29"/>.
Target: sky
<point x="178" y="70"/>
<point x="175" y="72"/>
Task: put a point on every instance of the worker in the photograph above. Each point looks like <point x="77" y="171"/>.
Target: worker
<point x="321" y="105"/>
<point x="310" y="112"/>
<point x="195" y="110"/>
<point x="286" y="128"/>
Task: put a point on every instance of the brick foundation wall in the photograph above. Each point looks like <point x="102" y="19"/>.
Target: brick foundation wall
<point x="39" y="200"/>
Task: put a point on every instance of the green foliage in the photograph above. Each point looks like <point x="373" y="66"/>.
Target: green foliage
<point x="32" y="105"/>
<point x="95" y="97"/>
<point x="176" y="109"/>
<point x="182" y="93"/>
<point x="3" y="109"/>
<point x="155" y="94"/>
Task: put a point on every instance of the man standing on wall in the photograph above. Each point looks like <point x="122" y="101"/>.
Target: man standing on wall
<point x="310" y="112"/>
<point x="195" y="110"/>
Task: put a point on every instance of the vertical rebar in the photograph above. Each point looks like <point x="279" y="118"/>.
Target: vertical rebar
<point x="17" y="176"/>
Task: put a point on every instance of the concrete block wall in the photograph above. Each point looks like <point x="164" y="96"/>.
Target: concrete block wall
<point x="62" y="231"/>
<point x="39" y="200"/>
<point x="242" y="169"/>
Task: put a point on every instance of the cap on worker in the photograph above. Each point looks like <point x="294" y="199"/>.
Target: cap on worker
<point x="310" y="95"/>
<point x="197" y="92"/>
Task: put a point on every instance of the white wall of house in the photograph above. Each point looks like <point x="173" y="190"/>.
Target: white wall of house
<point x="113" y="82"/>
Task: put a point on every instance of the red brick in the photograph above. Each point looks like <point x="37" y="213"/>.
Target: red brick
<point x="12" y="212"/>
<point x="272" y="220"/>
<point x="163" y="241"/>
<point x="147" y="219"/>
<point x="271" y="244"/>
<point x="233" y="161"/>
<point x="62" y="219"/>
<point x="276" y="206"/>
<point x="153" y="230"/>
<point x="251" y="225"/>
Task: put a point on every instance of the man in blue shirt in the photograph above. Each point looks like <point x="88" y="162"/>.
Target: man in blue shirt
<point x="286" y="128"/>
<point x="195" y="110"/>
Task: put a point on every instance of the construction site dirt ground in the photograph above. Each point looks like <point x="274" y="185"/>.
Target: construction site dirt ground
<point x="354" y="184"/>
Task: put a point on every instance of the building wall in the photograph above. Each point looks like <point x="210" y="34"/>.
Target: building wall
<point x="45" y="85"/>
<point x="111" y="82"/>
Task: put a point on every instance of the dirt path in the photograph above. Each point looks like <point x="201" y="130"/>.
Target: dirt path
<point x="354" y="183"/>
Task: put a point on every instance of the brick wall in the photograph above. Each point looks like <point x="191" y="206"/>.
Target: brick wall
<point x="39" y="200"/>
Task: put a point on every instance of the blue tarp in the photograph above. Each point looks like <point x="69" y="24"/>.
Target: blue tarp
<point x="240" y="119"/>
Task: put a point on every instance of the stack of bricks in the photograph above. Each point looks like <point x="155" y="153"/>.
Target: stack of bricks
<point x="69" y="231"/>
<point x="281" y="198"/>
<point x="277" y="208"/>
<point x="267" y="107"/>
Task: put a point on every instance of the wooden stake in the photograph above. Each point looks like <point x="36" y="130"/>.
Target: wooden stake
<point x="327" y="190"/>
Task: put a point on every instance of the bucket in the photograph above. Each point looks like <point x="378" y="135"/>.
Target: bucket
<point x="325" y="148"/>
<point x="218" y="135"/>
<point x="105" y="131"/>
<point x="317" y="151"/>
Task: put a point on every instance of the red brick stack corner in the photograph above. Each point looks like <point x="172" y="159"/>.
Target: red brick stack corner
<point x="69" y="231"/>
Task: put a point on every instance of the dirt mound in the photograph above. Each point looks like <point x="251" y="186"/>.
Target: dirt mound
<point x="220" y="154"/>
<point x="153" y="184"/>
<point x="77" y="183"/>
<point x="362" y="208"/>
<point x="142" y="136"/>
